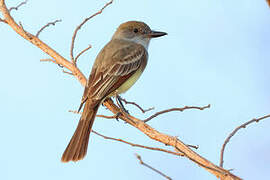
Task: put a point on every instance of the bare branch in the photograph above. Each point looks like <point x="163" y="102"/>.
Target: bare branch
<point x="79" y="27"/>
<point x="234" y="132"/>
<point x="83" y="51"/>
<point x="40" y="44"/>
<point x="135" y="104"/>
<point x="175" y="109"/>
<point x="138" y="145"/>
<point x="135" y="122"/>
<point x="150" y="167"/>
<point x="17" y="7"/>
<point x="47" y="25"/>
<point x="171" y="141"/>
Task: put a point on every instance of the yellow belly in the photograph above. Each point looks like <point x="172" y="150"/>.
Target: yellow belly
<point x="130" y="82"/>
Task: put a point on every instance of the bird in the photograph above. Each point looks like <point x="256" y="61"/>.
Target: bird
<point x="116" y="68"/>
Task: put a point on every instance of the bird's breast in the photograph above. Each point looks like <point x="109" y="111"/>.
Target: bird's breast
<point x="130" y="82"/>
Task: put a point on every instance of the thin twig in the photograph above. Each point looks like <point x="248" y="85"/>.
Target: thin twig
<point x="175" y="109"/>
<point x="108" y="117"/>
<point x="193" y="146"/>
<point x="150" y="167"/>
<point x="83" y="51"/>
<point x="75" y="112"/>
<point x="234" y="132"/>
<point x="17" y="7"/>
<point x="51" y="60"/>
<point x="48" y="60"/>
<point x="79" y="27"/>
<point x="47" y="25"/>
<point x="138" y="145"/>
<point x="135" y="104"/>
<point x="69" y="73"/>
<point x="172" y="141"/>
<point x="99" y="115"/>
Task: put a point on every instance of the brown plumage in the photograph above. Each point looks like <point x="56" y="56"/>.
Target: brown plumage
<point x="117" y="67"/>
<point x="77" y="147"/>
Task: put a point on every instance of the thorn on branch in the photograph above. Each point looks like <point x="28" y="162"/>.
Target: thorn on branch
<point x="193" y="146"/>
<point x="150" y="167"/>
<point x="135" y="104"/>
<point x="79" y="27"/>
<point x="176" y="109"/>
<point x="20" y="23"/>
<point x="234" y="132"/>
<point x="26" y="33"/>
<point x="47" y="25"/>
<point x="17" y="7"/>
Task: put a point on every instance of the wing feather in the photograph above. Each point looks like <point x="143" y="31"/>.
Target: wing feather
<point x="106" y="79"/>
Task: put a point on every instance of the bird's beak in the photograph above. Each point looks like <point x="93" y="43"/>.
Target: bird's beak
<point x="155" y="34"/>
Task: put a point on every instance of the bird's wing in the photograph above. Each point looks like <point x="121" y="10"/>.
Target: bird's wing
<point x="124" y="63"/>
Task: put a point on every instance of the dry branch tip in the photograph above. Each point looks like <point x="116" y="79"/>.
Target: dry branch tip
<point x="47" y="25"/>
<point x="150" y="167"/>
<point x="244" y="125"/>
<point x="17" y="7"/>
<point x="79" y="27"/>
<point x="175" y="109"/>
<point x="83" y="51"/>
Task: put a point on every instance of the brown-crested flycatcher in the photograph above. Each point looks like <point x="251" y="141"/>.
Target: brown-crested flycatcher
<point x="117" y="67"/>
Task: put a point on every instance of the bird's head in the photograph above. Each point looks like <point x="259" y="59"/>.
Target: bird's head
<point x="137" y="32"/>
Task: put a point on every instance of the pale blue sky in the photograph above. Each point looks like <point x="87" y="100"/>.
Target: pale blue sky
<point x="216" y="52"/>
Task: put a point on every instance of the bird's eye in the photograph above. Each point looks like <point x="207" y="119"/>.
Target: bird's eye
<point x="136" y="30"/>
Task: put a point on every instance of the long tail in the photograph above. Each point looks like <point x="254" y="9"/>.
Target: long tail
<point x="77" y="147"/>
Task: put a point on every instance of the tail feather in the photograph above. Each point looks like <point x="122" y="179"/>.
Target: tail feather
<point x="77" y="147"/>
